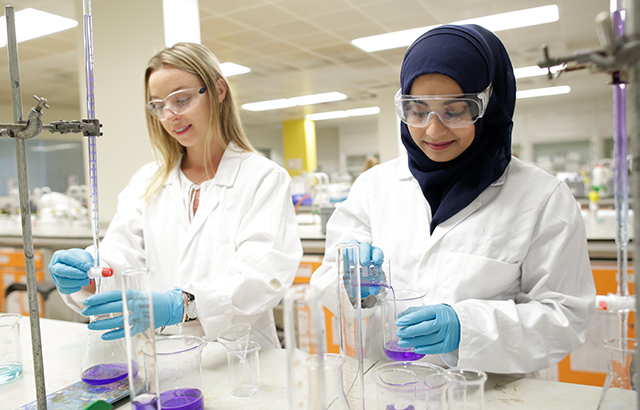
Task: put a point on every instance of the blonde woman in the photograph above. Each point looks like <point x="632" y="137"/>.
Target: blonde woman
<point x="211" y="218"/>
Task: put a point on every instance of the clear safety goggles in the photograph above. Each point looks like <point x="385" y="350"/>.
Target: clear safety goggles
<point x="178" y="102"/>
<point x="454" y="111"/>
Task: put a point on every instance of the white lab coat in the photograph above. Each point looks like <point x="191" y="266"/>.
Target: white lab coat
<point x="513" y="263"/>
<point x="238" y="255"/>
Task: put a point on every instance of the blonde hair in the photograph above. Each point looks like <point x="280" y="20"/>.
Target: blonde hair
<point x="224" y="125"/>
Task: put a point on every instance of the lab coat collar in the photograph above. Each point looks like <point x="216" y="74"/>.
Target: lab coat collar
<point x="402" y="169"/>
<point x="229" y="167"/>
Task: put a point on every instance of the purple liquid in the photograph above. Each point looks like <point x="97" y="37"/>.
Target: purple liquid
<point x="145" y="402"/>
<point x="107" y="373"/>
<point x="396" y="353"/>
<point x="182" y="399"/>
<point x="391" y="407"/>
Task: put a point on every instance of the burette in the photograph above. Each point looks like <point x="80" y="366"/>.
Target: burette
<point x="96" y="272"/>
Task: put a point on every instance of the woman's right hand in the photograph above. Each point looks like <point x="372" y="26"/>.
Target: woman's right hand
<point x="69" y="269"/>
<point x="371" y="258"/>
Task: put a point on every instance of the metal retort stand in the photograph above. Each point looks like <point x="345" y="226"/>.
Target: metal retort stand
<point x="20" y="131"/>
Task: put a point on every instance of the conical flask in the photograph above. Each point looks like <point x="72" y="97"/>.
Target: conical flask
<point x="105" y="361"/>
<point x="618" y="392"/>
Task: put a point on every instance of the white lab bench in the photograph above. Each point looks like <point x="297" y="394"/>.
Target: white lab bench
<point x="63" y="346"/>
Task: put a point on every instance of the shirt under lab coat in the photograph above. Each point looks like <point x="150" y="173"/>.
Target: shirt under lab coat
<point x="237" y="256"/>
<point x="513" y="263"/>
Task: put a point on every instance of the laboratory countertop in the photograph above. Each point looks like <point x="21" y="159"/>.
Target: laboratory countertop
<point x="600" y="234"/>
<point x="63" y="346"/>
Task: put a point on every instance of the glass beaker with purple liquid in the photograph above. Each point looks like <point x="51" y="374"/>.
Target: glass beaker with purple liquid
<point x="392" y="303"/>
<point x="179" y="365"/>
<point x="409" y="386"/>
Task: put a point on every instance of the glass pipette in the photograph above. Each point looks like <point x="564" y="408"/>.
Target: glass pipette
<point x="96" y="272"/>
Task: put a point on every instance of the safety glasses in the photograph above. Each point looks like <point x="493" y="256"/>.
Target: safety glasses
<point x="178" y="102"/>
<point x="454" y="111"/>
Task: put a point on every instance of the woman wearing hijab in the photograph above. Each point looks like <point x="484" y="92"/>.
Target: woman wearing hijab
<point x="497" y="245"/>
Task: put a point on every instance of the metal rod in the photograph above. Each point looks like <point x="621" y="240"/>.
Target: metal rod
<point x="25" y="210"/>
<point x="633" y="31"/>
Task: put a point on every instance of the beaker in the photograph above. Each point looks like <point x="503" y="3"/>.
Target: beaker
<point x="139" y="330"/>
<point x="178" y="362"/>
<point x="409" y="385"/>
<point x="244" y="369"/>
<point x="393" y="302"/>
<point x="618" y="392"/>
<point x="10" y="353"/>
<point x="105" y="361"/>
<point x="465" y="389"/>
<point x="350" y="319"/>
<point x="327" y="393"/>
<point x="235" y="339"/>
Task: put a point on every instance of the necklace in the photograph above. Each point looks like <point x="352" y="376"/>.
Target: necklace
<point x="206" y="173"/>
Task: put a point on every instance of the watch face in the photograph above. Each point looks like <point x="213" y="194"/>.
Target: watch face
<point x="191" y="309"/>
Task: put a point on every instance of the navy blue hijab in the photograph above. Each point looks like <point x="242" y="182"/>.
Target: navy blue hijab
<point x="474" y="57"/>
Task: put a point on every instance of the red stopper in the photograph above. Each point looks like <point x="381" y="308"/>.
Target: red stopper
<point x="107" y="272"/>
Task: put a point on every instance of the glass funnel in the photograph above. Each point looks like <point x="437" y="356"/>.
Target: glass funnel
<point x="618" y="392"/>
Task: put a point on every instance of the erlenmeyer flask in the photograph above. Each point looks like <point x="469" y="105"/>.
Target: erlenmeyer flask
<point x="618" y="392"/>
<point x="105" y="361"/>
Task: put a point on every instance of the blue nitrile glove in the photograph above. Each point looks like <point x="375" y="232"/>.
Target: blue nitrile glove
<point x="69" y="269"/>
<point x="167" y="310"/>
<point x="432" y="329"/>
<point x="371" y="258"/>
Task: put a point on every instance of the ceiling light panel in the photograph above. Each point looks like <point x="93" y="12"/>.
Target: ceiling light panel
<point x="292" y="102"/>
<point x="496" y="22"/>
<point x="543" y="92"/>
<point x="32" y="23"/>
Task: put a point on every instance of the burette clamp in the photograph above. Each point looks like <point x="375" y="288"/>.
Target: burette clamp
<point x="98" y="272"/>
<point x="90" y="127"/>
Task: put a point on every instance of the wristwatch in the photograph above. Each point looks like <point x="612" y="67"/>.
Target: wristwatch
<point x="190" y="313"/>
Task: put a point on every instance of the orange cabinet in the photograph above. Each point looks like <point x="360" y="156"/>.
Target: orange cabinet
<point x="12" y="270"/>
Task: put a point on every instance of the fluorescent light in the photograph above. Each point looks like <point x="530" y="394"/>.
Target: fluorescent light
<point x="292" y="102"/>
<point x="229" y="69"/>
<point x="533" y="71"/>
<point x="268" y="105"/>
<point x="390" y="40"/>
<point x="517" y="19"/>
<point x="343" y="114"/>
<point x="318" y="98"/>
<point x="495" y="22"/>
<point x="542" y="92"/>
<point x="32" y="23"/>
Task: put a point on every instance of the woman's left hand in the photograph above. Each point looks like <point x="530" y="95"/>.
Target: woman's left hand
<point x="432" y="329"/>
<point x="167" y="310"/>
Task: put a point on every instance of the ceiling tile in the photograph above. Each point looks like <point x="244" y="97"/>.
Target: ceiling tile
<point x="294" y="29"/>
<point x="311" y="8"/>
<point x="260" y="16"/>
<point x="219" y="27"/>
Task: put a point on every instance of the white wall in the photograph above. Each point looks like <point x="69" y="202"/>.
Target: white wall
<point x="269" y="138"/>
<point x="328" y="149"/>
<point x="550" y="122"/>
